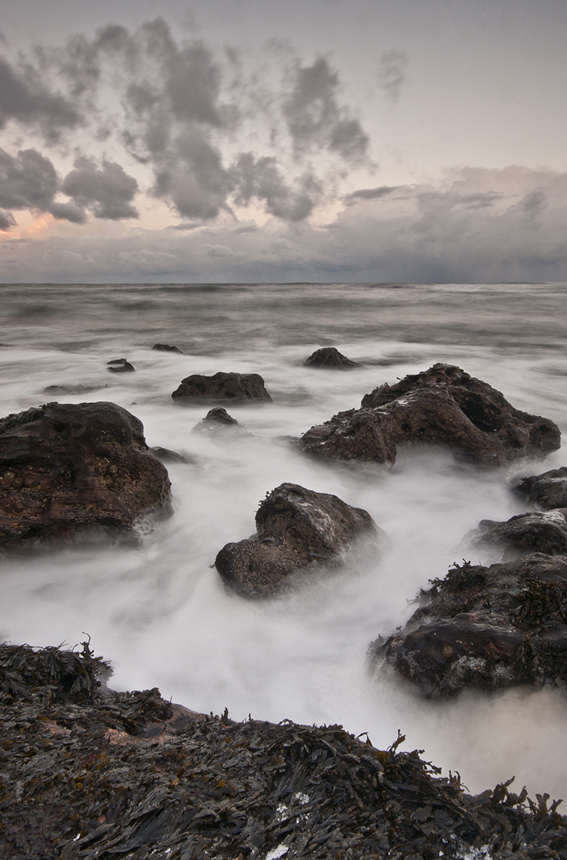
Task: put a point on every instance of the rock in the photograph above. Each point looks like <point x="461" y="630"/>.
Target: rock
<point x="442" y="405"/>
<point x="80" y="388"/>
<point x="541" y="531"/>
<point x="120" y="365"/>
<point x="485" y="628"/>
<point x="218" y="420"/>
<point x="548" y="490"/>
<point x="167" y="456"/>
<point x="235" y="387"/>
<point x="69" y="470"/>
<point x="296" y="529"/>
<point x="164" y="347"/>
<point x="329" y="357"/>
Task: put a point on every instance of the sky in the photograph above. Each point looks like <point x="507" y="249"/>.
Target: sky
<point x="298" y="140"/>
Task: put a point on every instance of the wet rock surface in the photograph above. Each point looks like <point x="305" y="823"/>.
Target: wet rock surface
<point x="165" y="347"/>
<point x="330" y="358"/>
<point x="166" y="455"/>
<point x="120" y="365"/>
<point x="89" y="773"/>
<point x="538" y="531"/>
<point x="296" y="529"/>
<point x="442" y="405"/>
<point x="233" y="387"/>
<point x="68" y="471"/>
<point x="485" y="628"/>
<point x="548" y="490"/>
<point x="218" y="421"/>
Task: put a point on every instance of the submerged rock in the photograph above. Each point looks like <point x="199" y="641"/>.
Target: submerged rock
<point x="218" y="420"/>
<point x="442" y="405"/>
<point x="66" y="470"/>
<point x="79" y="388"/>
<point x="235" y="387"/>
<point x="539" y="531"/>
<point x="296" y="529"/>
<point x="120" y="365"/>
<point x="329" y="357"/>
<point x="485" y="628"/>
<point x="548" y="490"/>
<point x="167" y="456"/>
<point x="164" y="347"/>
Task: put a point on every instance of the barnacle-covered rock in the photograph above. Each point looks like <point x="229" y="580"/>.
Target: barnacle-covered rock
<point x="536" y="531"/>
<point x="75" y="469"/>
<point x="485" y="628"/>
<point x="297" y="529"/>
<point x="442" y="405"/>
<point x="547" y="491"/>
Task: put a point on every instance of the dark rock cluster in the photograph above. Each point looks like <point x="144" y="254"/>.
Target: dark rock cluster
<point x="233" y="387"/>
<point x="442" y="405"/>
<point x="90" y="774"/>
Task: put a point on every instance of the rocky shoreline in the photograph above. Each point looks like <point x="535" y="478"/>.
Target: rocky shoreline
<point x="89" y="773"/>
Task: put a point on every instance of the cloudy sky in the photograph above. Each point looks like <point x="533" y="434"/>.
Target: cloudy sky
<point x="255" y="140"/>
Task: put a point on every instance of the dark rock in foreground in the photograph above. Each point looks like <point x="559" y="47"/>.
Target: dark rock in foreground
<point x="120" y="365"/>
<point x="164" y="347"/>
<point x="296" y="529"/>
<point x="486" y="628"/>
<point x="442" y="405"/>
<point x="540" y="531"/>
<point x="217" y="421"/>
<point x="99" y="774"/>
<point x="234" y="387"/>
<point x="548" y="490"/>
<point x="329" y="357"/>
<point x="66" y="470"/>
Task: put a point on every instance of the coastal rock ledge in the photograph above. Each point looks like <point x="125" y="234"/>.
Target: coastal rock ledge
<point x="296" y="529"/>
<point x="68" y="470"/>
<point x="442" y="405"/>
<point x="485" y="628"/>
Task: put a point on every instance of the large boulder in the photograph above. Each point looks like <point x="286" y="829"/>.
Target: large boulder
<point x="485" y="628"/>
<point x="68" y="469"/>
<point x="232" y="387"/>
<point x="548" y="490"/>
<point x="536" y="531"/>
<point x="329" y="358"/>
<point x="442" y="405"/>
<point x="297" y="529"/>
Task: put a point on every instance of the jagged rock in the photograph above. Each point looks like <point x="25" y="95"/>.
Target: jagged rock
<point x="296" y="529"/>
<point x="485" y="628"/>
<point x="235" y="387"/>
<point x="120" y="365"/>
<point x="329" y="357"/>
<point x="540" y="531"/>
<point x="548" y="490"/>
<point x="69" y="469"/>
<point x="218" y="420"/>
<point x="442" y="405"/>
<point x="164" y="347"/>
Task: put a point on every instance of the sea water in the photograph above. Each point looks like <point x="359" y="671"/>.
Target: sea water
<point x="159" y="611"/>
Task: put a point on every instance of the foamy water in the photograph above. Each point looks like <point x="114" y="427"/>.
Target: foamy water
<point x="160" y="613"/>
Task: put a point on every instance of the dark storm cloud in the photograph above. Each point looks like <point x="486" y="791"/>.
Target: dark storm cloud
<point x="314" y="117"/>
<point x="27" y="181"/>
<point x="108" y="193"/>
<point x="25" y="99"/>
<point x="7" y="220"/>
<point x="369" y="194"/>
<point x="260" y="179"/>
<point x="392" y="74"/>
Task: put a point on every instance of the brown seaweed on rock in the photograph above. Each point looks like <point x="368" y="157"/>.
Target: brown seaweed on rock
<point x="126" y="776"/>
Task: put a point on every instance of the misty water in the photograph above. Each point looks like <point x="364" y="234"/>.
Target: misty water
<point x="159" y="611"/>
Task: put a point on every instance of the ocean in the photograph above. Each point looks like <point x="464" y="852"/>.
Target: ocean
<point x="159" y="611"/>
